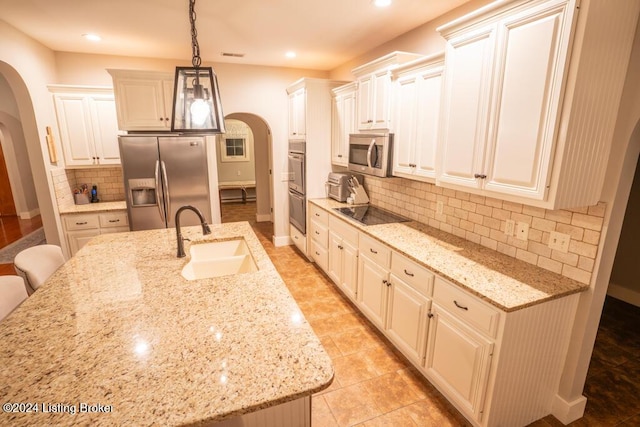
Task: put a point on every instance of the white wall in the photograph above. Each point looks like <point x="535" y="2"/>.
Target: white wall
<point x="28" y="67"/>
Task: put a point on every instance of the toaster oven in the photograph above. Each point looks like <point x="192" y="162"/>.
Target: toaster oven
<point x="338" y="185"/>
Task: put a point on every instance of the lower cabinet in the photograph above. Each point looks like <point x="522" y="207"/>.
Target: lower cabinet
<point x="343" y="257"/>
<point x="80" y="228"/>
<point x="319" y="237"/>
<point x="298" y="238"/>
<point x="373" y="280"/>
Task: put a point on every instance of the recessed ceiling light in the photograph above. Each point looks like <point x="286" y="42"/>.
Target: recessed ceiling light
<point x="381" y="3"/>
<point x="290" y="54"/>
<point x="92" y="37"/>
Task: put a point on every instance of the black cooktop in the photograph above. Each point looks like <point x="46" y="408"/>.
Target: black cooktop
<point x="371" y="215"/>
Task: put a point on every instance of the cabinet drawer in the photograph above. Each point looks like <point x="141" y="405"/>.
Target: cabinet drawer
<point x="298" y="238"/>
<point x="348" y="232"/>
<point x="320" y="255"/>
<point x="319" y="233"/>
<point x="318" y="214"/>
<point x="114" y="219"/>
<point x="375" y="251"/>
<point x="81" y="222"/>
<point x="466" y="307"/>
<point x="413" y="274"/>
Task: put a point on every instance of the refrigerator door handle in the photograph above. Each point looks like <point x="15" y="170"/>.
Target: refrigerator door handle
<point x="166" y="189"/>
<point x="159" y="195"/>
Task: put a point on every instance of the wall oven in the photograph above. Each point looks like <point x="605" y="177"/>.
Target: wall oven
<point x="297" y="186"/>
<point x="371" y="154"/>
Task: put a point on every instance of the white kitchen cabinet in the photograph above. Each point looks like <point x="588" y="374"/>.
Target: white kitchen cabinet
<point x="87" y="124"/>
<point x="373" y="279"/>
<point x="514" y="120"/>
<point x="319" y="237"/>
<point x="374" y="90"/>
<point x="343" y="122"/>
<point x="343" y="257"/>
<point x="297" y="114"/>
<point x="80" y="228"/>
<point x="298" y="238"/>
<point x="417" y="88"/>
<point x="144" y="99"/>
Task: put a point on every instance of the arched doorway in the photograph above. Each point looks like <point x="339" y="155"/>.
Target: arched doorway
<point x="257" y="152"/>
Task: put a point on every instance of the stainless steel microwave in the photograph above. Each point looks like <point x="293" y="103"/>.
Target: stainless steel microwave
<point x="371" y="154"/>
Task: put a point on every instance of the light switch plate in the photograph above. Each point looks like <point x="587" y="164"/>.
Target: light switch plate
<point x="509" y="227"/>
<point x="522" y="231"/>
<point x="559" y="241"/>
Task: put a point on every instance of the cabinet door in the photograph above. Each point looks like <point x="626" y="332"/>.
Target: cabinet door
<point x="349" y="282"/>
<point x="458" y="361"/>
<point x="320" y="255"/>
<point x="74" y="124"/>
<point x="427" y="122"/>
<point x="405" y="125"/>
<point x="141" y="105"/>
<point x="104" y="125"/>
<point x="381" y="108"/>
<point x="297" y="114"/>
<point x="365" y="101"/>
<point x="407" y="319"/>
<point x="335" y="258"/>
<point x="343" y="123"/>
<point x="531" y="58"/>
<point x="77" y="239"/>
<point x="467" y="87"/>
<point x="373" y="283"/>
<point x="167" y="95"/>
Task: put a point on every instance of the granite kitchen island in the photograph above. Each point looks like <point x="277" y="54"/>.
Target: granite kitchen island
<point x="119" y="330"/>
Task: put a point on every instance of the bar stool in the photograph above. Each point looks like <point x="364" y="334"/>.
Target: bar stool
<point x="37" y="263"/>
<point x="12" y="293"/>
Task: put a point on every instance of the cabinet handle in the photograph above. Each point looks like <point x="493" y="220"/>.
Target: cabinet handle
<point x="372" y="251"/>
<point x="162" y="119"/>
<point x="317" y="214"/>
<point x="481" y="176"/>
<point x="408" y="273"/>
<point x="386" y="282"/>
<point x="369" y="121"/>
<point x="460" y="306"/>
<point x="166" y="119"/>
<point x="317" y="253"/>
<point x="340" y="247"/>
<point x="430" y="315"/>
<point x="295" y="237"/>
<point x="339" y="155"/>
<point x="317" y="233"/>
<point x="81" y="223"/>
<point x="114" y="220"/>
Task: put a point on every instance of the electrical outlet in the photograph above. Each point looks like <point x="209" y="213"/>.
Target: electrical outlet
<point x="286" y="176"/>
<point x="238" y="173"/>
<point x="439" y="207"/>
<point x="559" y="241"/>
<point x="522" y="231"/>
<point x="509" y="227"/>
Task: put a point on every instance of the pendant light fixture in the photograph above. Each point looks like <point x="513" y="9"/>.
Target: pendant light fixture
<point x="196" y="97"/>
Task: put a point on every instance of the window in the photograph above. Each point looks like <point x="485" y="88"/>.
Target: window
<point x="235" y="147"/>
<point x="237" y="143"/>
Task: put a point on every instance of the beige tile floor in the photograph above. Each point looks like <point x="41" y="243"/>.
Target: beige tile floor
<point x="376" y="386"/>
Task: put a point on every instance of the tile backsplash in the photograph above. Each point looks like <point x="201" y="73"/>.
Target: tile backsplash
<point x="108" y="180"/>
<point x="482" y="220"/>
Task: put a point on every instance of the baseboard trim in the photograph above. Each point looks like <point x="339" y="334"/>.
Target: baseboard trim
<point x="30" y="214"/>
<point x="282" y="241"/>
<point x="263" y="217"/>
<point x="568" y="412"/>
<point x="625" y="294"/>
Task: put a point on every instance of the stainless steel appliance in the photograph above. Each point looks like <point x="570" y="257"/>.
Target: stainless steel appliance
<point x="370" y="215"/>
<point x="297" y="186"/>
<point x="338" y="185"/>
<point x="371" y="154"/>
<point x="161" y="174"/>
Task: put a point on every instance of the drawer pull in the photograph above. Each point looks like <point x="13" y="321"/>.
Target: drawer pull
<point x="386" y="282"/>
<point x="372" y="251"/>
<point x="317" y="253"/>
<point x="317" y="214"/>
<point x="81" y="223"/>
<point x="340" y="247"/>
<point x="460" y="306"/>
<point x="408" y="273"/>
<point x="114" y="220"/>
<point x="295" y="237"/>
<point x="317" y="232"/>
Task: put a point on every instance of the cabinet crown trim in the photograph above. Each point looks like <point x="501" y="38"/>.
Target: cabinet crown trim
<point x="140" y="74"/>
<point x="94" y="90"/>
<point x="388" y="61"/>
<point x="436" y="60"/>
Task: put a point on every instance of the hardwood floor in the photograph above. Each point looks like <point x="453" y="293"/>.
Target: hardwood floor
<point x="12" y="228"/>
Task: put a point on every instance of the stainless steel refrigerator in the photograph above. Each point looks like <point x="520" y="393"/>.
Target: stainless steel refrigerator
<point x="161" y="174"/>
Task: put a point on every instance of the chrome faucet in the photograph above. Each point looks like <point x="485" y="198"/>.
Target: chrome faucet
<point x="203" y="223"/>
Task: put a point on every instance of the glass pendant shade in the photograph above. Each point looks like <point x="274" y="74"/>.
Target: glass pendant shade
<point x="197" y="106"/>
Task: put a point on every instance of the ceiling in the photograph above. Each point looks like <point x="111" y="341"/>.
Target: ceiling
<point x="324" y="34"/>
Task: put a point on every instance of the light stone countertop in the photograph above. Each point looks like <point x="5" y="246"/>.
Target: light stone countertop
<point x="118" y="325"/>
<point x="505" y="282"/>
<point x="93" y="207"/>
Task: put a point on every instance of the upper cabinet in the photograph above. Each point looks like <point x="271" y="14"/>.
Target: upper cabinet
<point x="374" y="90"/>
<point x="529" y="103"/>
<point x="343" y="122"/>
<point x="297" y="114"/>
<point x="417" y="89"/>
<point x="86" y="119"/>
<point x="144" y="99"/>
